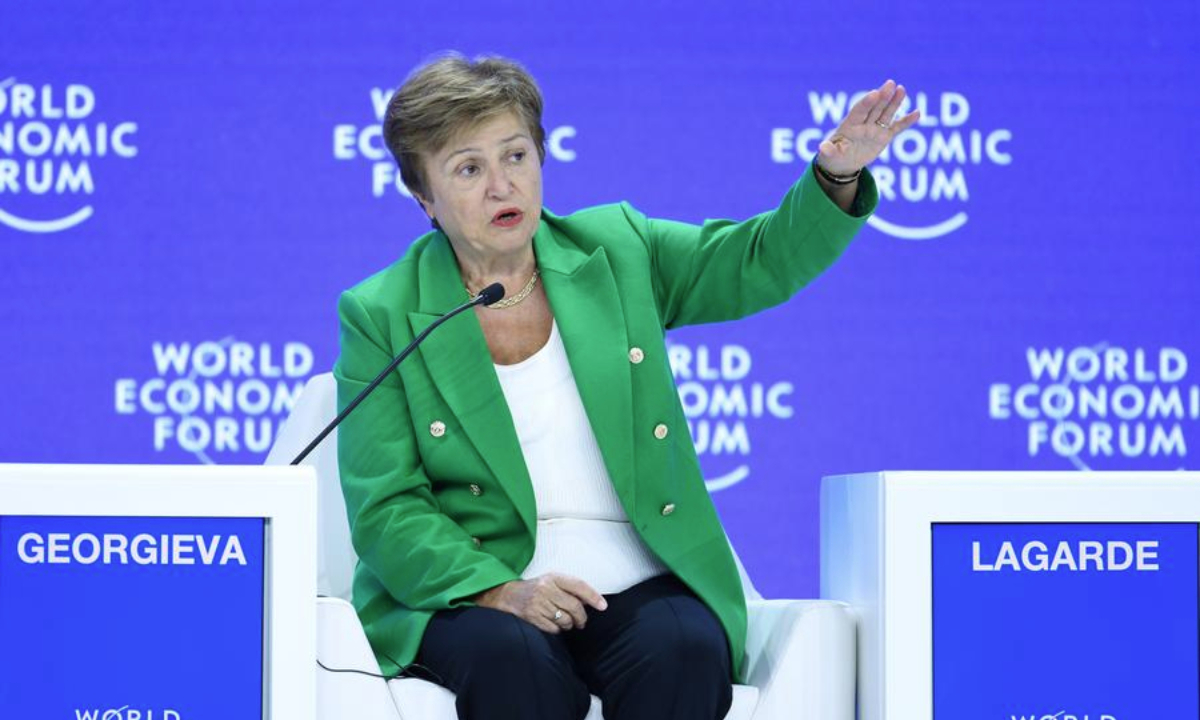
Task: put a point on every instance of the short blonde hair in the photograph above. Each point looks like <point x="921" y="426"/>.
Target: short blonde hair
<point x="450" y="94"/>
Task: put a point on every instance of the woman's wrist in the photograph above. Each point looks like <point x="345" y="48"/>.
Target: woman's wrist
<point x="834" y="178"/>
<point x="841" y="193"/>
<point x="491" y="596"/>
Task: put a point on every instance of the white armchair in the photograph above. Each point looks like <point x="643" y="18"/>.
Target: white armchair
<point x="800" y="653"/>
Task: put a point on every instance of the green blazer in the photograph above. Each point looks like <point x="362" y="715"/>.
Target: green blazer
<point x="439" y="499"/>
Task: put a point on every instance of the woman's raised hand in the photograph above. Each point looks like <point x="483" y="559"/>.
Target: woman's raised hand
<point x="551" y="602"/>
<point x="866" y="130"/>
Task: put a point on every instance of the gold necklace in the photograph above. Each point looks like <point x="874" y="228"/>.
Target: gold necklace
<point x="515" y="299"/>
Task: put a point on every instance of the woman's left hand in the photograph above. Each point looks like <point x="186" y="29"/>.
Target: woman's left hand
<point x="866" y="130"/>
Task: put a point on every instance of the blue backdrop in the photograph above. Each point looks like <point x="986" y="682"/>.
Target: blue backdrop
<point x="186" y="188"/>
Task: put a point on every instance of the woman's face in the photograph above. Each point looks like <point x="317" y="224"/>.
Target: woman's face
<point x="485" y="188"/>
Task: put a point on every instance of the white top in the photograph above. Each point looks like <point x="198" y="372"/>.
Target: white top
<point x="582" y="530"/>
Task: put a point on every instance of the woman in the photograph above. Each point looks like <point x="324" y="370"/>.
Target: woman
<point x="527" y="505"/>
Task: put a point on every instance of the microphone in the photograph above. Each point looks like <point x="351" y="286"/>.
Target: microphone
<point x="490" y="295"/>
<point x="487" y="296"/>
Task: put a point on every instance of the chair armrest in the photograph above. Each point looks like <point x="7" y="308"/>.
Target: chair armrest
<point x="342" y="645"/>
<point x="801" y="655"/>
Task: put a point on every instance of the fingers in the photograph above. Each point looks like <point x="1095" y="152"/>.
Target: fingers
<point x="542" y="621"/>
<point x="879" y="107"/>
<point x="573" y="613"/>
<point x="858" y="113"/>
<point x="553" y="608"/>
<point x="885" y="95"/>
<point x="527" y="599"/>
<point x="906" y="122"/>
<point x="554" y="603"/>
<point x="870" y="106"/>
<point x="893" y="106"/>
<point x="586" y="593"/>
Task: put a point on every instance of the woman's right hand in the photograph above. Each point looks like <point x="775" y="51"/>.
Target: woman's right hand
<point x="537" y="600"/>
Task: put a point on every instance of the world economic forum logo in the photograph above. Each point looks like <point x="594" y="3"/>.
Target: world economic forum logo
<point x="50" y="137"/>
<point x="216" y="398"/>
<point x="358" y="142"/>
<point x="1101" y="404"/>
<point x="722" y="400"/>
<point x="1063" y="715"/>
<point x="126" y="712"/>
<point x="923" y="175"/>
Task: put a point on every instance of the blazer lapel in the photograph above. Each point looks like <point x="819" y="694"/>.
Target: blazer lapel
<point x="587" y="306"/>
<point x="457" y="357"/>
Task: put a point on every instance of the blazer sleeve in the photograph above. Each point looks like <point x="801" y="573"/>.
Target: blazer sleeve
<point x="724" y="270"/>
<point x="424" y="559"/>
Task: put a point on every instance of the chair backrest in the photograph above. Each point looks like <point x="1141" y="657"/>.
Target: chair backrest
<point x="315" y="407"/>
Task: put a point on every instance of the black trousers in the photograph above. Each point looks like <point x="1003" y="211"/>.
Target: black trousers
<point x="657" y="653"/>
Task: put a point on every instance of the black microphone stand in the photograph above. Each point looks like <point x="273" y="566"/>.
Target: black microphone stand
<point x="489" y="295"/>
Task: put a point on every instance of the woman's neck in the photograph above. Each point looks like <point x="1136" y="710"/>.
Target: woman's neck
<point x="512" y="271"/>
